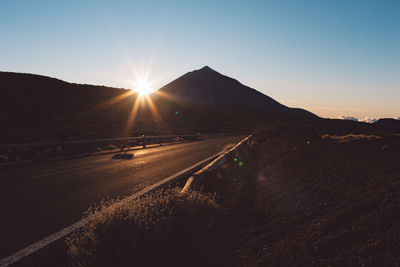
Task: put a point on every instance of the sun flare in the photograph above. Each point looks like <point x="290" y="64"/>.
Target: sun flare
<point x="143" y="87"/>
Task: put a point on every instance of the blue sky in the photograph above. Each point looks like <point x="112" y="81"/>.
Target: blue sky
<point x="334" y="58"/>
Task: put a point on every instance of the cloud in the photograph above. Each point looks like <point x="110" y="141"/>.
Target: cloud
<point x="369" y="120"/>
<point x="349" y="118"/>
<point x="366" y="119"/>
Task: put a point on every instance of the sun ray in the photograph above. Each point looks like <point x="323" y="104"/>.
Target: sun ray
<point x="153" y="108"/>
<point x="132" y="117"/>
<point x="165" y="95"/>
<point x="114" y="99"/>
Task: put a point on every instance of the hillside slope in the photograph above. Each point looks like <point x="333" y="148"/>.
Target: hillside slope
<point x="37" y="108"/>
<point x="208" y="87"/>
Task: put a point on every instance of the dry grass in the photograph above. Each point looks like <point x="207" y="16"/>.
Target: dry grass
<point x="351" y="137"/>
<point x="163" y="228"/>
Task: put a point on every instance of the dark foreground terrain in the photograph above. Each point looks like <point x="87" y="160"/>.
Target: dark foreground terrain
<point x="290" y="197"/>
<point x="311" y="201"/>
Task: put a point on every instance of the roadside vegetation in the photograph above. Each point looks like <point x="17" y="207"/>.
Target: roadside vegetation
<point x="162" y="228"/>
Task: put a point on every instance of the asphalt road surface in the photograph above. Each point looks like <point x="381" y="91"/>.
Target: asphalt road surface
<point x="40" y="199"/>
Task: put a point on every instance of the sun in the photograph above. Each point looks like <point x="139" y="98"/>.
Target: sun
<point x="143" y="87"/>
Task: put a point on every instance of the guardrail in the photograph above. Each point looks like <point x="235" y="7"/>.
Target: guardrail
<point x="196" y="180"/>
<point x="11" y="154"/>
<point x="93" y="141"/>
<point x="142" y="138"/>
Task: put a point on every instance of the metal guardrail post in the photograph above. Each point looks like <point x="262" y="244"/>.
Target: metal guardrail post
<point x="144" y="141"/>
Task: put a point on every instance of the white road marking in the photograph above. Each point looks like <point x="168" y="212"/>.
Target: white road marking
<point x="64" y="171"/>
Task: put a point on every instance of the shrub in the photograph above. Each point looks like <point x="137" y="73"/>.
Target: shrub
<point x="162" y="228"/>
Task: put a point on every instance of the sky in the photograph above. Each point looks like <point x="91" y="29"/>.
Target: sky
<point x="334" y="58"/>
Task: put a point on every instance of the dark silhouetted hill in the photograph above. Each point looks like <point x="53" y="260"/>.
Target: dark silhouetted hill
<point x="38" y="108"/>
<point x="208" y="87"/>
<point x="212" y="89"/>
<point x="391" y="125"/>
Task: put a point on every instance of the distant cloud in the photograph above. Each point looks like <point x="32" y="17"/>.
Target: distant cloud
<point x="369" y="120"/>
<point x="366" y="119"/>
<point x="349" y="118"/>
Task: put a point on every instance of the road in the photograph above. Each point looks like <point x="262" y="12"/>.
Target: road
<point x="40" y="199"/>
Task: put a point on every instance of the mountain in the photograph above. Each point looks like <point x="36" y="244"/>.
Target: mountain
<point x="38" y="108"/>
<point x="211" y="89"/>
<point x="208" y="87"/>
